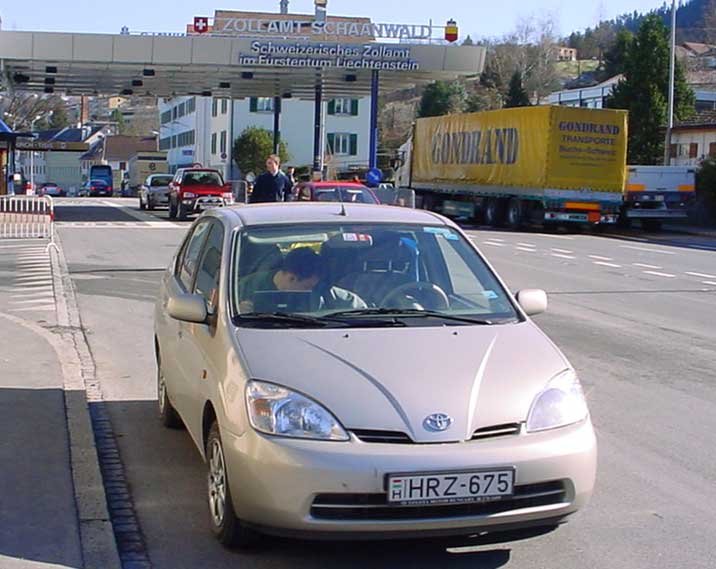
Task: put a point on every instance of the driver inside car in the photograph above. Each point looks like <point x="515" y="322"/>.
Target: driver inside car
<point x="302" y="270"/>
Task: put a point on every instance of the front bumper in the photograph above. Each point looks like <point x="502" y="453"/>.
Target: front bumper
<point x="202" y="203"/>
<point x="277" y="483"/>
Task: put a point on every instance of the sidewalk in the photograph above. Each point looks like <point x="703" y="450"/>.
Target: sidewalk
<point x="53" y="510"/>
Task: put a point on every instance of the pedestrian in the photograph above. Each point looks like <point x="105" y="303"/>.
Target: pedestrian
<point x="273" y="185"/>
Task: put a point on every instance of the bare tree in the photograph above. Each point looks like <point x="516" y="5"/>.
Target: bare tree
<point x="20" y="109"/>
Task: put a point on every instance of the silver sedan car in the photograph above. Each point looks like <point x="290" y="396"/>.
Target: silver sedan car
<point x="155" y="191"/>
<point x="355" y="371"/>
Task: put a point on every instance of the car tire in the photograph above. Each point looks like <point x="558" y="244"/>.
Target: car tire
<point x="225" y="525"/>
<point x="167" y="414"/>
<point x="172" y="209"/>
<point x="183" y="213"/>
<point x="150" y="204"/>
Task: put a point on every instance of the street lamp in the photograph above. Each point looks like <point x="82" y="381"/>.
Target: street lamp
<point x="672" y="70"/>
<point x="32" y="151"/>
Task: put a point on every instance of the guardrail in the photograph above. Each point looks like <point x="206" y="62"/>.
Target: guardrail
<point x="27" y="217"/>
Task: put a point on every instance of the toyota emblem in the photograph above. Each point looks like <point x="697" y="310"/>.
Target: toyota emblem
<point x="437" y="422"/>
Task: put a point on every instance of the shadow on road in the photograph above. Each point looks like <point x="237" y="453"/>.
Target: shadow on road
<point x="166" y="477"/>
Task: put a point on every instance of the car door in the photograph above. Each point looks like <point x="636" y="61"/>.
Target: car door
<point x="204" y="354"/>
<point x="182" y="282"/>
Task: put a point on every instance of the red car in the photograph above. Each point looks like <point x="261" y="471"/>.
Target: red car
<point x="194" y="190"/>
<point x="350" y="192"/>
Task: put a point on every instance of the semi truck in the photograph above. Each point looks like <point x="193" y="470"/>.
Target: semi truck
<point x="531" y="165"/>
<point x="654" y="194"/>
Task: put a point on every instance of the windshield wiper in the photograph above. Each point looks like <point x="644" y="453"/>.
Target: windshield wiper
<point x="282" y="317"/>
<point x="409" y="313"/>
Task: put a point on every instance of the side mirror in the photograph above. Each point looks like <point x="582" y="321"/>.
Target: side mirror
<point x="188" y="308"/>
<point x="532" y="300"/>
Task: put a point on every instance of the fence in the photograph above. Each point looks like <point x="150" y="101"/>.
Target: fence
<point x="26" y="217"/>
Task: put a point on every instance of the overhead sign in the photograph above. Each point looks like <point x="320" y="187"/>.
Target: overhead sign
<point x="51" y="145"/>
<point x="326" y="55"/>
<point x="201" y="24"/>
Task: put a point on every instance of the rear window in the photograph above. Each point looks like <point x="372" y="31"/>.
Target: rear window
<point x="201" y="178"/>
<point x="161" y="181"/>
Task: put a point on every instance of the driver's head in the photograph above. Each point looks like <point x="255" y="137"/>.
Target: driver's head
<point x="302" y="269"/>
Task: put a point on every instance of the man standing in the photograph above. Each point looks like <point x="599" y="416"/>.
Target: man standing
<point x="273" y="185"/>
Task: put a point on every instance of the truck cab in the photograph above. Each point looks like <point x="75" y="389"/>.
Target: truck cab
<point x="194" y="190"/>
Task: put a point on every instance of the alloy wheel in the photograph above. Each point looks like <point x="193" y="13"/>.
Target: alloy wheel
<point x="217" y="483"/>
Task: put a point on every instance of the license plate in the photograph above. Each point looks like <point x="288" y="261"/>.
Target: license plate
<point x="450" y="487"/>
<point x="594" y="217"/>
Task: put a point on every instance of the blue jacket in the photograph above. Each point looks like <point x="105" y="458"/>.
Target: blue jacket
<point x="270" y="188"/>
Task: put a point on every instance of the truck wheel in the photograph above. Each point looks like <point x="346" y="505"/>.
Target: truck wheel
<point x="172" y="209"/>
<point x="651" y="224"/>
<point x="494" y="212"/>
<point x="515" y="214"/>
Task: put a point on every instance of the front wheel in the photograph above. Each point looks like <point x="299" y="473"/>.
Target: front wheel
<point x="167" y="414"/>
<point x="142" y="205"/>
<point x="183" y="212"/>
<point x="225" y="526"/>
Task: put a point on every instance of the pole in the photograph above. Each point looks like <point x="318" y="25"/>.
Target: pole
<point x="374" y="91"/>
<point x="317" y="130"/>
<point x="276" y="124"/>
<point x="672" y="71"/>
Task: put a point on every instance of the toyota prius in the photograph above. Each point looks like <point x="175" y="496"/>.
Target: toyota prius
<point x="352" y="371"/>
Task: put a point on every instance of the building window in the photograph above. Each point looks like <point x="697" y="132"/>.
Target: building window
<point x="214" y="107"/>
<point x="223" y="141"/>
<point x="712" y="150"/>
<point x="185" y="138"/>
<point x="342" y="143"/>
<point x="261" y="105"/>
<point x="343" y="106"/>
<point x="122" y="165"/>
<point x="213" y="143"/>
<point x="224" y="106"/>
<point x="693" y="150"/>
<point x="165" y="143"/>
<point x="175" y="110"/>
<point x="191" y="105"/>
<point x="174" y="141"/>
<point x="166" y="117"/>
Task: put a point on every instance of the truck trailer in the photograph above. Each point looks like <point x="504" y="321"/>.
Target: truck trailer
<point x="529" y="165"/>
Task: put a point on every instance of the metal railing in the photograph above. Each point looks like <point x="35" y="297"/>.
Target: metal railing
<point x="27" y="217"/>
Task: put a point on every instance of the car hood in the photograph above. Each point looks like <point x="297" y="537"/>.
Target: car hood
<point x="393" y="378"/>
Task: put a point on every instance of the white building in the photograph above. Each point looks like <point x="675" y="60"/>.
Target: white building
<point x="201" y="130"/>
<point x="694" y="139"/>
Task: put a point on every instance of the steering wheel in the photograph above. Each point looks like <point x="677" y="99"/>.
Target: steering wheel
<point x="420" y="288"/>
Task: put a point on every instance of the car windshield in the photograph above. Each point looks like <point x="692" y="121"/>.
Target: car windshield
<point x="363" y="275"/>
<point x="161" y="180"/>
<point x="202" y="179"/>
<point x="344" y="194"/>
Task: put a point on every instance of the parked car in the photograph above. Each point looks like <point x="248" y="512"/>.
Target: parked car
<point x="51" y="189"/>
<point x="350" y="192"/>
<point x="155" y="191"/>
<point x="97" y="188"/>
<point x="365" y="375"/>
<point x="194" y="190"/>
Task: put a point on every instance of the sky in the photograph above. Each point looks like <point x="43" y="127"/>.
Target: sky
<point x="479" y="18"/>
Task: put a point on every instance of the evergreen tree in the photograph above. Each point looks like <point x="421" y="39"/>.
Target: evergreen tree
<point x="615" y="57"/>
<point x="59" y="118"/>
<point x="644" y="91"/>
<point x="442" y="98"/>
<point x="516" y="94"/>
<point x="252" y="147"/>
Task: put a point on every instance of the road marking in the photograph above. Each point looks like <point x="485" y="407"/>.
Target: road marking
<point x="526" y="249"/>
<point x="496" y="239"/>
<point x="527" y="245"/>
<point x="567" y="238"/>
<point x="649" y="249"/>
<point x="564" y="251"/>
<point x="702" y="275"/>
<point x="599" y="258"/>
<point x="647" y="266"/>
<point x="656" y="274"/>
<point x="709" y="283"/>
<point x="493" y="244"/>
<point x="604" y="264"/>
<point x="563" y="256"/>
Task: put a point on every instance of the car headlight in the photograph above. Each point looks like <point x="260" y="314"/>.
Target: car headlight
<point x="559" y="404"/>
<point x="188" y="196"/>
<point x="276" y="410"/>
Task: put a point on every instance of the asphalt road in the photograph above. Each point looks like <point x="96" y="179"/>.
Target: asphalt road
<point x="634" y="315"/>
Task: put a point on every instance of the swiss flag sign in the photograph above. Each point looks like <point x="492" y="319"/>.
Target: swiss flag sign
<point x="201" y="24"/>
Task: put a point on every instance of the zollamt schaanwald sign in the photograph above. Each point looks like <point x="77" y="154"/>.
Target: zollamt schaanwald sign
<point x="351" y="56"/>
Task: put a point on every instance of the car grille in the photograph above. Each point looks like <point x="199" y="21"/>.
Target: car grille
<point x="375" y="506"/>
<point x="398" y="437"/>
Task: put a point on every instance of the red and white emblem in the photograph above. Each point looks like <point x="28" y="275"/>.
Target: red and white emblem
<point x="201" y="24"/>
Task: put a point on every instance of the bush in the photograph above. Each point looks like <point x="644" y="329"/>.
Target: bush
<point x="253" y="147"/>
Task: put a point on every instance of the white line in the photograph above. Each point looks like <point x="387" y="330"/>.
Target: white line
<point x="647" y="249"/>
<point x="668" y="275"/>
<point x="496" y="239"/>
<point x="603" y="264"/>
<point x="646" y="266"/>
<point x="47" y="292"/>
<point x="599" y="258"/>
<point x="564" y="251"/>
<point x="526" y="249"/>
<point x="527" y="245"/>
<point x="712" y="283"/>
<point x="35" y="300"/>
<point x="563" y="256"/>
<point x="493" y="244"/>
<point x="557" y="236"/>
<point x="34" y="308"/>
<point x="703" y="275"/>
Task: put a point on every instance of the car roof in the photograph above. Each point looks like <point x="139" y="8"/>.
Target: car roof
<point x="323" y="212"/>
